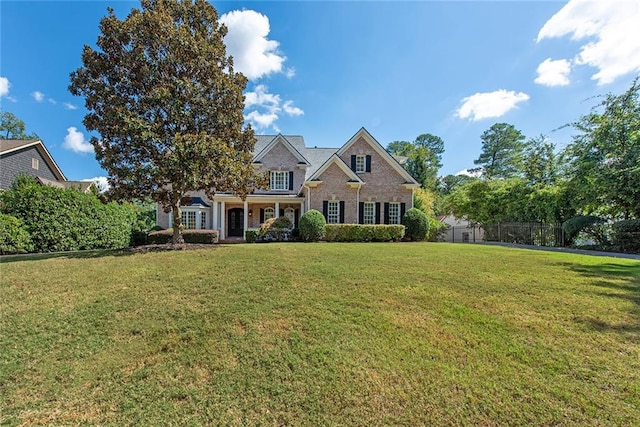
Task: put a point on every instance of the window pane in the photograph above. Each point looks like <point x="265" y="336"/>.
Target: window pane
<point x="189" y="219"/>
<point x="360" y="163"/>
<point x="203" y="220"/>
<point x="279" y="180"/>
<point x="369" y="213"/>
<point x="394" y="213"/>
<point x="333" y="212"/>
<point x="269" y="213"/>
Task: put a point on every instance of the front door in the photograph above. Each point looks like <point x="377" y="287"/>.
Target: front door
<point x="236" y="222"/>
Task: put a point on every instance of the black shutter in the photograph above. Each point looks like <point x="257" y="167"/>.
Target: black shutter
<point x="290" y="180"/>
<point x="378" y="213"/>
<point x="403" y="208"/>
<point x="368" y="165"/>
<point x="342" y="212"/>
<point x="386" y="213"/>
<point x="261" y="215"/>
<point x="295" y="218"/>
<point x="353" y="162"/>
<point x="325" y="210"/>
<point x="361" y="213"/>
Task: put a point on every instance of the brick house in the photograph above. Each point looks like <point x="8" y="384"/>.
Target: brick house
<point x="357" y="183"/>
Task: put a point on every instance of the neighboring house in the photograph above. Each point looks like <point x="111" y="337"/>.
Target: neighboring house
<point x="31" y="157"/>
<point x="357" y="183"/>
<point x="460" y="230"/>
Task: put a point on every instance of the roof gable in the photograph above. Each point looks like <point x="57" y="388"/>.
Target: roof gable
<point x="369" y="139"/>
<point x="10" y="145"/>
<point x="335" y="159"/>
<point x="281" y="139"/>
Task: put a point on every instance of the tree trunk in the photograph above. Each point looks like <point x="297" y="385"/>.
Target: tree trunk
<point x="177" y="238"/>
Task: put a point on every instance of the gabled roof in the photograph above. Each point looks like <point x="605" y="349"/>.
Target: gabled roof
<point x="82" y="186"/>
<point x="264" y="149"/>
<point x="380" y="150"/>
<point x="10" y="145"/>
<point x="335" y="159"/>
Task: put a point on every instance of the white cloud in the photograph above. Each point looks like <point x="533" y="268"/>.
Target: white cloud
<point x="267" y="107"/>
<point x="4" y="86"/>
<point x="254" y="55"/>
<point x="74" y="141"/>
<point x="69" y="106"/>
<point x="553" y="73"/>
<point x="102" y="182"/>
<point x="38" y="96"/>
<point x="610" y="30"/>
<point x="489" y="104"/>
<point x="52" y="101"/>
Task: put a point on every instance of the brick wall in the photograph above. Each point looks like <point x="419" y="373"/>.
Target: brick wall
<point x="279" y="158"/>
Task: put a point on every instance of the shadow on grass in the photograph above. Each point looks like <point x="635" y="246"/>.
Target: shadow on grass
<point x="621" y="281"/>
<point x="96" y="253"/>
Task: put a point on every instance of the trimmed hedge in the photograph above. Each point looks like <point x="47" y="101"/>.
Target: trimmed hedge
<point x="416" y="223"/>
<point x="14" y="238"/>
<point x="312" y="226"/>
<point x="251" y="236"/>
<point x="162" y="237"/>
<point x="65" y="219"/>
<point x="626" y="235"/>
<point x="363" y="233"/>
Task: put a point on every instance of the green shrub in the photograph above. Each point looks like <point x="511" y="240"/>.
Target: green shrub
<point x="416" y="223"/>
<point x="275" y="230"/>
<point x="436" y="229"/>
<point x="626" y="235"/>
<point x="190" y="236"/>
<point x="312" y="226"/>
<point x="14" y="238"/>
<point x="251" y="236"/>
<point x="363" y="233"/>
<point x="589" y="226"/>
<point x="66" y="219"/>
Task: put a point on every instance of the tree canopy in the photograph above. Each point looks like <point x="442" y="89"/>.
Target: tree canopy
<point x="168" y="105"/>
<point x="502" y="149"/>
<point x="11" y="127"/>
<point x="424" y="158"/>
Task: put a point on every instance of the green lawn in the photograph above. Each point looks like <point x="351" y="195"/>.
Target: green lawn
<point x="321" y="334"/>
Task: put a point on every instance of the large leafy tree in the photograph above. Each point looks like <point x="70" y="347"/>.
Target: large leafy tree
<point x="167" y="103"/>
<point x="605" y="156"/>
<point x="540" y="163"/>
<point x="424" y="158"/>
<point x="11" y="127"/>
<point x="502" y="150"/>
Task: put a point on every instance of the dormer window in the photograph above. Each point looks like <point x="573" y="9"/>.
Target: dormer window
<point x="360" y="163"/>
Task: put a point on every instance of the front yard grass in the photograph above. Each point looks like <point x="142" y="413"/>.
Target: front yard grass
<point x="321" y="334"/>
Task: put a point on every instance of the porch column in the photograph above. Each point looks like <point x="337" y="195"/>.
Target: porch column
<point x="214" y="216"/>
<point x="223" y="231"/>
<point x="277" y="212"/>
<point x="245" y="223"/>
<point x="302" y="208"/>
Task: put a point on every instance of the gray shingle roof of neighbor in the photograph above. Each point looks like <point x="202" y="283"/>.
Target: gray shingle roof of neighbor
<point x="12" y="144"/>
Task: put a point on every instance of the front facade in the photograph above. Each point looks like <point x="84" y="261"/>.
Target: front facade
<point x="357" y="183"/>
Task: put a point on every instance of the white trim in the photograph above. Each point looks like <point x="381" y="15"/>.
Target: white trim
<point x="380" y="150"/>
<point x="281" y="138"/>
<point x="341" y="164"/>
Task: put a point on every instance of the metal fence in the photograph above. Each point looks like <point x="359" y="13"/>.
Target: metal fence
<point x="528" y="233"/>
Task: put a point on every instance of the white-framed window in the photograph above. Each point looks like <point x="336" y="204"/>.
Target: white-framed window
<point x="279" y="180"/>
<point x="189" y="219"/>
<point x="203" y="220"/>
<point x="394" y="213"/>
<point x="290" y="213"/>
<point x="35" y="163"/>
<point x="269" y="213"/>
<point x="361" y="163"/>
<point x="369" y="213"/>
<point x="333" y="212"/>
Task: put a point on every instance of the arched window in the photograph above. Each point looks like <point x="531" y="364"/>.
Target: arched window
<point x="269" y="213"/>
<point x="290" y="213"/>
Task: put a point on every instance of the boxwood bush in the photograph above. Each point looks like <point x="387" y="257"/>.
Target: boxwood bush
<point x="416" y="223"/>
<point x="190" y="236"/>
<point x="312" y="226"/>
<point x="363" y="233"/>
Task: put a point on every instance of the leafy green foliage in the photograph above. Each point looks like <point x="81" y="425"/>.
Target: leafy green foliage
<point x="65" y="219"/>
<point x="168" y="105"/>
<point x="625" y="235"/>
<point x="540" y="163"/>
<point x="312" y="226"/>
<point x="363" y="233"/>
<point x="14" y="238"/>
<point x="416" y="223"/>
<point x="275" y="230"/>
<point x="424" y="158"/>
<point x="575" y="225"/>
<point x="604" y="159"/>
<point x="251" y="236"/>
<point x="11" y="127"/>
<point x="209" y="237"/>
<point x="502" y="151"/>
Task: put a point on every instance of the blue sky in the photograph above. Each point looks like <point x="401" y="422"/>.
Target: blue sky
<point x="325" y="69"/>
